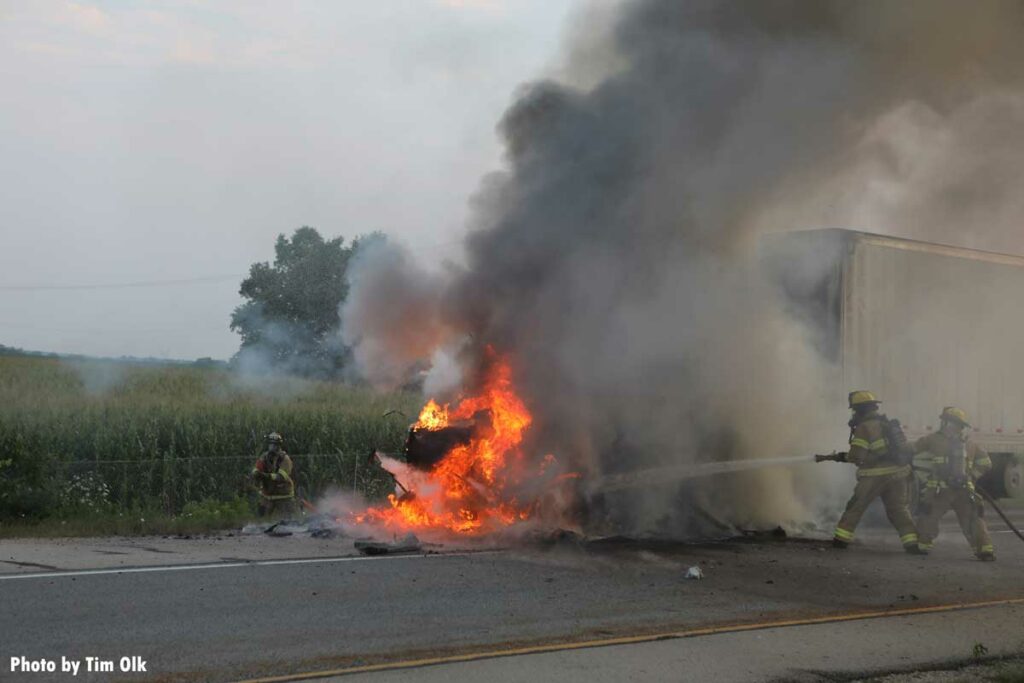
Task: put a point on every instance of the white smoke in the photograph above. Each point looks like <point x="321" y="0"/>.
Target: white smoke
<point x="392" y="317"/>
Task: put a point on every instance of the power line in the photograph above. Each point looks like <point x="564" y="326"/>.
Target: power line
<point x="122" y="285"/>
<point x="78" y="328"/>
<point x="182" y="281"/>
<point x="200" y="458"/>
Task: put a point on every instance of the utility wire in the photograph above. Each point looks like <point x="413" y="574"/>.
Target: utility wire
<point x="200" y="458"/>
<point x="123" y="285"/>
<point x="183" y="281"/>
<point x="78" y="328"/>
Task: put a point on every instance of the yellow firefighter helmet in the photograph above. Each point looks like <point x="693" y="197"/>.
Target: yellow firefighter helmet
<point x="860" y="397"/>
<point x="955" y="415"/>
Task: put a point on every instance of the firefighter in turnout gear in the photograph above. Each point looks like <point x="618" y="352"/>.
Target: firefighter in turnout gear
<point x="273" y="473"/>
<point x="954" y="465"/>
<point x="882" y="472"/>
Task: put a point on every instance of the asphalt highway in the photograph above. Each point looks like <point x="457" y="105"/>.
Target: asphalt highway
<point x="236" y="620"/>
<point x="792" y="652"/>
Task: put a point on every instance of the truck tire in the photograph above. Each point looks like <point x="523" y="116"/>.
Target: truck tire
<point x="1006" y="479"/>
<point x="1013" y="478"/>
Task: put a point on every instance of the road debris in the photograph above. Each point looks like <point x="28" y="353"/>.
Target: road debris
<point x="317" y="526"/>
<point x="694" y="573"/>
<point x="547" y="538"/>
<point x="408" y="544"/>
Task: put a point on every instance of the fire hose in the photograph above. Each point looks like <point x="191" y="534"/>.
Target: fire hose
<point x="984" y="494"/>
<point x="830" y="457"/>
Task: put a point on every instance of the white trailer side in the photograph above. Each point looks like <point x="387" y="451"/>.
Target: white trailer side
<point x="923" y="326"/>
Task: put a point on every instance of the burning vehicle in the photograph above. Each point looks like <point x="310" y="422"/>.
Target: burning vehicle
<point x="464" y="469"/>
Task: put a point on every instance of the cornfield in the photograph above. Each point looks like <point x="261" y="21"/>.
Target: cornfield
<point x="110" y="435"/>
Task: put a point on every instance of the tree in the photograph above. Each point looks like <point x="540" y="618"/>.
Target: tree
<point x="290" y="319"/>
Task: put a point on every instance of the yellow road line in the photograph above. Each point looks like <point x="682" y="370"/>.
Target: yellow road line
<point x="632" y="640"/>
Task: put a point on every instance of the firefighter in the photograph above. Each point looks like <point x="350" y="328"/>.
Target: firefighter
<point x="954" y="465"/>
<point x="880" y="473"/>
<point x="273" y="473"/>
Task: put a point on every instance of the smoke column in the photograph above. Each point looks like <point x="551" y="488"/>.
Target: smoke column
<point x="613" y="255"/>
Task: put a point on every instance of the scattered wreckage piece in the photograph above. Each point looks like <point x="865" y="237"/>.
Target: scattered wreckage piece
<point x="408" y="544"/>
<point x="317" y="526"/>
<point x="550" y="538"/>
<point x="324" y="526"/>
<point x="279" y="529"/>
<point x="283" y="527"/>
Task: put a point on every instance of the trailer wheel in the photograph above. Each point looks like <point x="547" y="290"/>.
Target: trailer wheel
<point x="1013" y="479"/>
<point x="1004" y="480"/>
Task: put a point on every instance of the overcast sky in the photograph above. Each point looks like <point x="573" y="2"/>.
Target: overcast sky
<point x="144" y="141"/>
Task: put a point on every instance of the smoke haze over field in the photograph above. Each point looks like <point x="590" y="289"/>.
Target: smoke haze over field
<point x="173" y="140"/>
<point x="612" y="254"/>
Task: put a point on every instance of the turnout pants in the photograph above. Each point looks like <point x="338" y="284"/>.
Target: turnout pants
<point x="968" y="513"/>
<point x="894" y="490"/>
<point x="284" y="507"/>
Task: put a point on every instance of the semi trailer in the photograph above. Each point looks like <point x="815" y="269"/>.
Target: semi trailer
<point x="922" y="325"/>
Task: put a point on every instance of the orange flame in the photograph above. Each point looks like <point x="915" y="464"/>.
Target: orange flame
<point x="432" y="416"/>
<point x="466" y="491"/>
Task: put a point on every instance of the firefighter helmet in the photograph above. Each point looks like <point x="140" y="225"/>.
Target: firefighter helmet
<point x="955" y="415"/>
<point x="862" y="397"/>
<point x="274" y="437"/>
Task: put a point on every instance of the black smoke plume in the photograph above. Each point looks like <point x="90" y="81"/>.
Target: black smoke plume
<point x="614" y="254"/>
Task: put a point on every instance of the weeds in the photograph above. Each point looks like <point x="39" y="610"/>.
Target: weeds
<point x="100" y="439"/>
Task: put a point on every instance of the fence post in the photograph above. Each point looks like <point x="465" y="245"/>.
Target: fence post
<point x="165" y="476"/>
<point x="189" y="479"/>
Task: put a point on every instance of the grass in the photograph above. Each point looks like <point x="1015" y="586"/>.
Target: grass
<point x="87" y="440"/>
<point x="1008" y="673"/>
<point x="207" y="516"/>
<point x="992" y="669"/>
